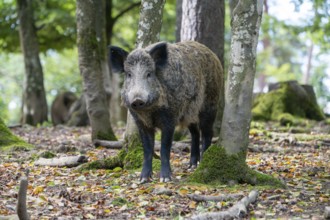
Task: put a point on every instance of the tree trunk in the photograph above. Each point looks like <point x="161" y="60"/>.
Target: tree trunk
<point x="150" y="24"/>
<point x="93" y="66"/>
<point x="178" y="20"/>
<point x="245" y="22"/>
<point x="34" y="107"/>
<point x="203" y="21"/>
<point x="266" y="46"/>
<point x="307" y="74"/>
<point x="118" y="112"/>
<point x="226" y="161"/>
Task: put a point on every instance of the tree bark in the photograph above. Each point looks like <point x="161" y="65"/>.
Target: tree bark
<point x="34" y="107"/>
<point x="307" y="74"/>
<point x="118" y="112"/>
<point x="178" y="20"/>
<point x="150" y="23"/>
<point x="93" y="66"/>
<point x="266" y="46"/>
<point x="203" y="21"/>
<point x="245" y="22"/>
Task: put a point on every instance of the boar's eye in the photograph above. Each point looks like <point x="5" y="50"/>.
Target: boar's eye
<point x="148" y="75"/>
<point x="129" y="75"/>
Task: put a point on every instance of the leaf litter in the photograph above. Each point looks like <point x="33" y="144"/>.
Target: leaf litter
<point x="302" y="161"/>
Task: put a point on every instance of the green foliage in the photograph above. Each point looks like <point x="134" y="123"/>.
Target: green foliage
<point x="54" y="21"/>
<point x="217" y="167"/>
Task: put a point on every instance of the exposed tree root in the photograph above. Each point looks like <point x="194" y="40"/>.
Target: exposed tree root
<point x="70" y="161"/>
<point x="108" y="144"/>
<point x="239" y="210"/>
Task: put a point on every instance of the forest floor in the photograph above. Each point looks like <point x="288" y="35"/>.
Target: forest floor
<point x="299" y="156"/>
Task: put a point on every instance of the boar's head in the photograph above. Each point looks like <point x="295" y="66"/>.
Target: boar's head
<point x="142" y="89"/>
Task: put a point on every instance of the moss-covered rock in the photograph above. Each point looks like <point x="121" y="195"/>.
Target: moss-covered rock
<point x="217" y="167"/>
<point x="290" y="99"/>
<point x="8" y="141"/>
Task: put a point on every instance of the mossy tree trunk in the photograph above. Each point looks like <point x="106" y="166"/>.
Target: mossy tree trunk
<point x="34" y="107"/>
<point x="131" y="156"/>
<point x="93" y="66"/>
<point x="227" y="164"/>
<point x="149" y="27"/>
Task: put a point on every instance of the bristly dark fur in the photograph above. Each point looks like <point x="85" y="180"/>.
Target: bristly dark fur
<point x="166" y="85"/>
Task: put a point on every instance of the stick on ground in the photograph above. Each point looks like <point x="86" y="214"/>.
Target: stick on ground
<point x="70" y="161"/>
<point x="239" y="210"/>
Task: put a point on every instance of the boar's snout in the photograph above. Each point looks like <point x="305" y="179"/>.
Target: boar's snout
<point x="137" y="104"/>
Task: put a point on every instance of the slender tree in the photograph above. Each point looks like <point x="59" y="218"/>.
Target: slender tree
<point x="178" y="20"/>
<point x="245" y="24"/>
<point x="93" y="65"/>
<point x="118" y="112"/>
<point x="203" y="21"/>
<point x="34" y="107"/>
<point x="150" y="24"/>
<point x="228" y="163"/>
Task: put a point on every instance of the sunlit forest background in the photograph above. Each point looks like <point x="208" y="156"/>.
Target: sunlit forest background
<point x="294" y="44"/>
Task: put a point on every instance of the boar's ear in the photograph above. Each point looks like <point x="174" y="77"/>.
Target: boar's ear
<point x="159" y="54"/>
<point x="117" y="56"/>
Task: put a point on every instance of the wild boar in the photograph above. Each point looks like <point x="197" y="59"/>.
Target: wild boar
<point x="166" y="85"/>
<point x="61" y="106"/>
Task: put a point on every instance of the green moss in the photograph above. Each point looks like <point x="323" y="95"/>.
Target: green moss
<point x="219" y="168"/>
<point x="109" y="135"/>
<point x="272" y="105"/>
<point x="134" y="159"/>
<point x="119" y="201"/>
<point x="47" y="154"/>
<point x="10" y="142"/>
<point x="109" y="163"/>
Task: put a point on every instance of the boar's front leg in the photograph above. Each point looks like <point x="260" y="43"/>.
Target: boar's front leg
<point x="195" y="152"/>
<point x="167" y="129"/>
<point x="148" y="140"/>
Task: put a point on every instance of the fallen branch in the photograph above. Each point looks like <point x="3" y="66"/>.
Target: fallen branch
<point x="239" y="210"/>
<point x="202" y="198"/>
<point x="70" y="161"/>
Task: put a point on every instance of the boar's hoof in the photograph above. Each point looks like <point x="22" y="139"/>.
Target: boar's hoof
<point x="165" y="179"/>
<point x="144" y="180"/>
<point x="192" y="166"/>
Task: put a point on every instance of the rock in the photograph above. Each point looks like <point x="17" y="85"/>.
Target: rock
<point x="286" y="102"/>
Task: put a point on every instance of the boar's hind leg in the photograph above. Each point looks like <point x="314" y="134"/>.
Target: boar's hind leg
<point x="206" y="125"/>
<point x="195" y="152"/>
<point x="148" y="141"/>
